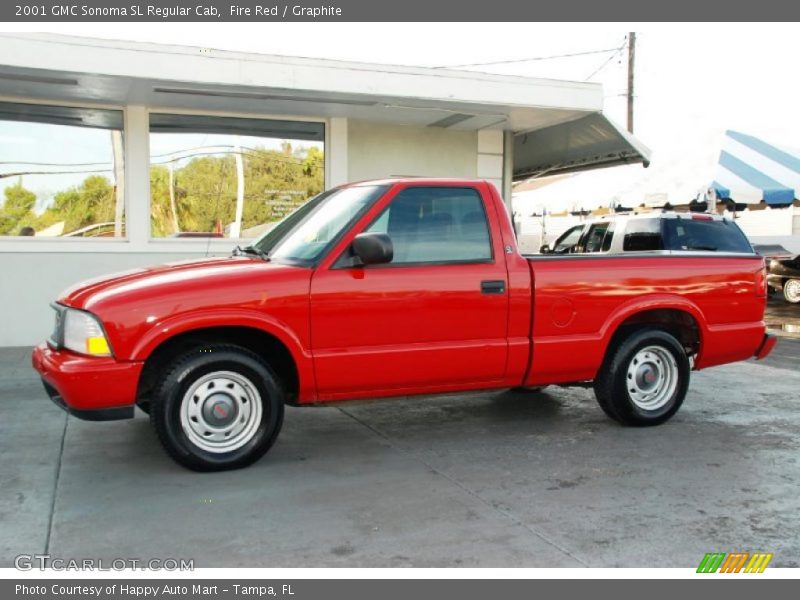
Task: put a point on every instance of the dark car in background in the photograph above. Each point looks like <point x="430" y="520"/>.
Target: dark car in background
<point x="784" y="276"/>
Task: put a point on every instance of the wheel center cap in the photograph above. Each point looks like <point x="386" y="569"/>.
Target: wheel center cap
<point x="219" y="410"/>
<point x="646" y="377"/>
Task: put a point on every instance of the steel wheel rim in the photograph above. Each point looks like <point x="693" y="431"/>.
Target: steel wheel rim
<point x="652" y="377"/>
<point x="221" y="411"/>
<point x="792" y="290"/>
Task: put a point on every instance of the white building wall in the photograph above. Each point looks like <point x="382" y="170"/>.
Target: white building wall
<point x="490" y="157"/>
<point x="336" y="168"/>
<point x="771" y="226"/>
<point x="31" y="280"/>
<point x="377" y="150"/>
<point x="767" y="222"/>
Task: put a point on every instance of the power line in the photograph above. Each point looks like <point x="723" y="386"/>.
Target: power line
<point x="40" y="164"/>
<point x="533" y="59"/>
<point x="256" y="151"/>
<point x="253" y="152"/>
<point x="617" y="52"/>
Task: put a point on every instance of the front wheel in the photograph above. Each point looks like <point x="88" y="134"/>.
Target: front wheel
<point x="791" y="291"/>
<point x="217" y="407"/>
<point x="644" y="379"/>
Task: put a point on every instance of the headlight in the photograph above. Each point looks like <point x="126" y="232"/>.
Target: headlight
<point x="83" y="334"/>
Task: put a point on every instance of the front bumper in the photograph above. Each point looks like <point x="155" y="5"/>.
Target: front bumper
<point x="91" y="388"/>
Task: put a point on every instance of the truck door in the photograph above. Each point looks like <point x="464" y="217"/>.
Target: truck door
<point x="436" y="316"/>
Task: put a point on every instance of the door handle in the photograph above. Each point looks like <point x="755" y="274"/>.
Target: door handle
<point x="493" y="286"/>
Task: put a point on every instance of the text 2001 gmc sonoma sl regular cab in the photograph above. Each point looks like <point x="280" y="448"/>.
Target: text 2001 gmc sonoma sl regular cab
<point x="391" y="288"/>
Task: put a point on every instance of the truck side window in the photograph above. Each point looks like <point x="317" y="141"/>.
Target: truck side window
<point x="642" y="235"/>
<point x="568" y="240"/>
<point x="595" y="237"/>
<point x="436" y="225"/>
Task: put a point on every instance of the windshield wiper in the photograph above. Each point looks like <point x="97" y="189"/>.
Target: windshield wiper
<point x="239" y="251"/>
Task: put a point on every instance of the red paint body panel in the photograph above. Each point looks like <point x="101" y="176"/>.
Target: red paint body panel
<point x="766" y="346"/>
<point x="580" y="302"/>
<point x="383" y="328"/>
<point x="145" y="307"/>
<point x="397" y="330"/>
<point x="87" y="383"/>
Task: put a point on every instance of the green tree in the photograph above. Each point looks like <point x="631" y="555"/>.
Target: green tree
<point x="91" y="202"/>
<point x="17" y="211"/>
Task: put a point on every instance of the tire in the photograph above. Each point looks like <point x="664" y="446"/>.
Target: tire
<point x="644" y="379"/>
<point x="217" y="407"/>
<point x="791" y="290"/>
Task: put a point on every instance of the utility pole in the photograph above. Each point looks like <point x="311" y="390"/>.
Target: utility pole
<point x="173" y="207"/>
<point x="631" y="58"/>
<point x="119" y="180"/>
<point x="236" y="227"/>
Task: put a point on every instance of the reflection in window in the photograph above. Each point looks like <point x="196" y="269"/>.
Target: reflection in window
<point x="229" y="177"/>
<point x="61" y="172"/>
<point x="437" y="224"/>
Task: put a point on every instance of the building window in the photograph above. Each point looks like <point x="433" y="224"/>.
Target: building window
<point x="61" y="172"/>
<point x="230" y="177"/>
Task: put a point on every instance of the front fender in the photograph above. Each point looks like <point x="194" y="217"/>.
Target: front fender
<point x="168" y="328"/>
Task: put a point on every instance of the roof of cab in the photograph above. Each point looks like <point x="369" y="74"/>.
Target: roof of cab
<point x="418" y="180"/>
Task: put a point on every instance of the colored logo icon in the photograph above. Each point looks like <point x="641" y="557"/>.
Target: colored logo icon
<point x="736" y="562"/>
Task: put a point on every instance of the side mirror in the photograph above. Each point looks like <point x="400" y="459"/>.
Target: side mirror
<point x="373" y="248"/>
<point x="545" y="249"/>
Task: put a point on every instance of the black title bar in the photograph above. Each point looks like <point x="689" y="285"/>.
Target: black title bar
<point x="396" y="10"/>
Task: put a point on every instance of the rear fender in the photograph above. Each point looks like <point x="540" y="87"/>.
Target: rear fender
<point x="653" y="302"/>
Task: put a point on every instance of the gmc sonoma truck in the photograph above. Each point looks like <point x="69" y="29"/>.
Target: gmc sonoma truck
<point x="389" y="288"/>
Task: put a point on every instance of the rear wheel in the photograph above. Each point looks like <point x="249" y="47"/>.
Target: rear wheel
<point x="644" y="379"/>
<point x="217" y="407"/>
<point x="791" y="291"/>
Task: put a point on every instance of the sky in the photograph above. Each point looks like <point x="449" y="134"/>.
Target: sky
<point x="692" y="81"/>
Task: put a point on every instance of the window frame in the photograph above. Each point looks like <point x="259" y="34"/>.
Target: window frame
<point x="22" y="243"/>
<point x="342" y="260"/>
<point x="226" y="242"/>
<point x="136" y="151"/>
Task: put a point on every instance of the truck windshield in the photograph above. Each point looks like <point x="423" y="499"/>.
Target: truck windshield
<point x="307" y="233"/>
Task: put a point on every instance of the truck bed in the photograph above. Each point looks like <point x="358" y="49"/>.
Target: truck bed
<point x="581" y="300"/>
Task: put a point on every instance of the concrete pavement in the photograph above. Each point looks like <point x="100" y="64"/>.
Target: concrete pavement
<point x="489" y="479"/>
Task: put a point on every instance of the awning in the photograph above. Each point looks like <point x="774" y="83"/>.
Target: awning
<point x="751" y="170"/>
<point x="589" y="142"/>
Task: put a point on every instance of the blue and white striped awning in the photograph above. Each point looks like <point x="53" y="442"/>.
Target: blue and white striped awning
<point x="750" y="170"/>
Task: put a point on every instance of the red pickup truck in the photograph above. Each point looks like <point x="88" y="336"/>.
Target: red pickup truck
<point x="388" y="288"/>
